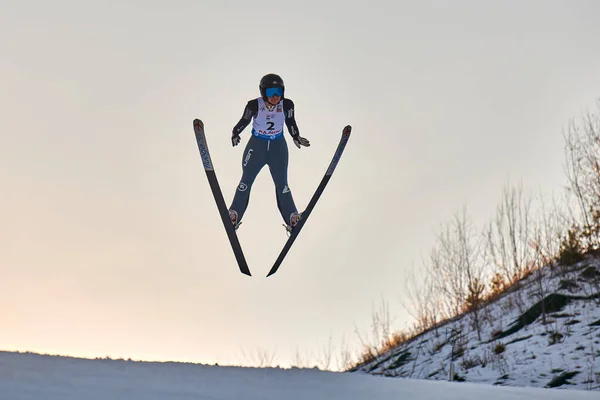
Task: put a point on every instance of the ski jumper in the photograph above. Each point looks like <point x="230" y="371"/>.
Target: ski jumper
<point x="267" y="146"/>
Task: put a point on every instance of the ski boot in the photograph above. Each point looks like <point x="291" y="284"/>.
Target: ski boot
<point x="295" y="217"/>
<point x="233" y="216"/>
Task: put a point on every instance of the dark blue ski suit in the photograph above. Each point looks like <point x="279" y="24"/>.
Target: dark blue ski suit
<point x="267" y="146"/>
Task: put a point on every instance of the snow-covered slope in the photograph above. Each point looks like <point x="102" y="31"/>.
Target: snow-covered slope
<point x="36" y="377"/>
<point x="545" y="333"/>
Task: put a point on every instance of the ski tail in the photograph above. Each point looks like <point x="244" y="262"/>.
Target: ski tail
<point x="218" y="195"/>
<point x="313" y="201"/>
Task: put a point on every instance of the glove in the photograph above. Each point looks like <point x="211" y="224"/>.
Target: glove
<point x="235" y="139"/>
<point x="300" y="141"/>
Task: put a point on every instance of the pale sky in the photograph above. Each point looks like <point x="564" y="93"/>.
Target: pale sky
<point x="110" y="240"/>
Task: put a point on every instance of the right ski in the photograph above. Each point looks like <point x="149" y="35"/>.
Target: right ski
<point x="218" y="195"/>
<point x="313" y="201"/>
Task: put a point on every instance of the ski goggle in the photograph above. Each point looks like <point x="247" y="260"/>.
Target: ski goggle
<point x="274" y="91"/>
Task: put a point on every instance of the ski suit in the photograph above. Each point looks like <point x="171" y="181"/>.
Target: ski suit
<point x="267" y="146"/>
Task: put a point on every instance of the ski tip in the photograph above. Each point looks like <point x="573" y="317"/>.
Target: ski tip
<point x="198" y="124"/>
<point x="347" y="130"/>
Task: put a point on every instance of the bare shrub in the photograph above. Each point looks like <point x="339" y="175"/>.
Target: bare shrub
<point x="261" y="357"/>
<point x="423" y="300"/>
<point x="381" y="338"/>
<point x="456" y="266"/>
<point x="509" y="234"/>
<point x="582" y="156"/>
<point x="499" y="348"/>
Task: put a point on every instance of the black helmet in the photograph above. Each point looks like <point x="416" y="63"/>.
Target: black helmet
<point x="269" y="81"/>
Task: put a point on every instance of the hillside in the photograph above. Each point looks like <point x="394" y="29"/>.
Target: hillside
<point x="544" y="332"/>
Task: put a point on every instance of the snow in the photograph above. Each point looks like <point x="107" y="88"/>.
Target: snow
<point x="28" y="376"/>
<point x="568" y="343"/>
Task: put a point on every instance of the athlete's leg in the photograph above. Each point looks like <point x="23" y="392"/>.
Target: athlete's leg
<point x="253" y="159"/>
<point x="277" y="158"/>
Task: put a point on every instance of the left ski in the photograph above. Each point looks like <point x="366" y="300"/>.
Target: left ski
<point x="313" y="201"/>
<point x="218" y="195"/>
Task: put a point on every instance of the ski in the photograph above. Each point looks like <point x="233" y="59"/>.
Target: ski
<point x="218" y="195"/>
<point x="313" y="201"/>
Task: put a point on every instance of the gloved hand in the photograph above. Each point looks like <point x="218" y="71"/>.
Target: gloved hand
<point x="299" y="141"/>
<point x="235" y="139"/>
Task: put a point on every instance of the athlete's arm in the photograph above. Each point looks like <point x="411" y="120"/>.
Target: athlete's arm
<point x="290" y="119"/>
<point x="251" y="110"/>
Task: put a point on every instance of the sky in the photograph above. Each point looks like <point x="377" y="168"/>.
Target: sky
<point x="110" y="240"/>
<point x="33" y="377"/>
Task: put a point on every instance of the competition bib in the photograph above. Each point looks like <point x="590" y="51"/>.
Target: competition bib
<point x="268" y="124"/>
